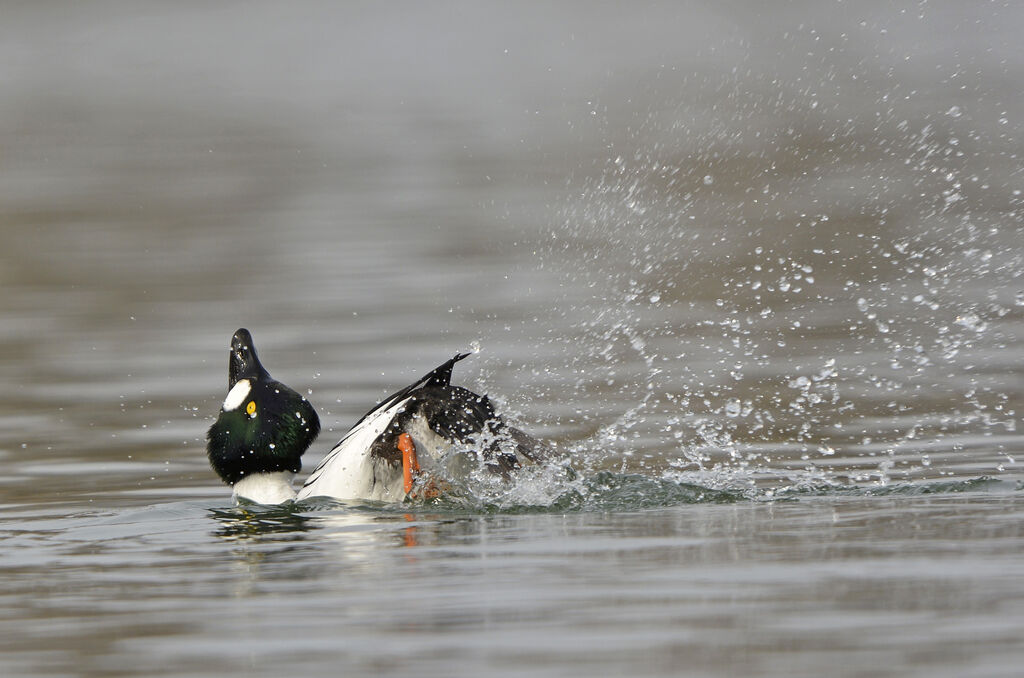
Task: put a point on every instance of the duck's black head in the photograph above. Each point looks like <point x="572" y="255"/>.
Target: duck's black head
<point x="263" y="426"/>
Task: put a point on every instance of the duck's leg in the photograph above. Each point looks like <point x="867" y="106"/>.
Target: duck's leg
<point x="411" y="470"/>
<point x="410" y="464"/>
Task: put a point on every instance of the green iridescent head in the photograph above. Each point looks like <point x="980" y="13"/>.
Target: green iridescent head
<point x="263" y="425"/>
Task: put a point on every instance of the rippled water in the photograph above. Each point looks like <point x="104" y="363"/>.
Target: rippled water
<point x="756" y="272"/>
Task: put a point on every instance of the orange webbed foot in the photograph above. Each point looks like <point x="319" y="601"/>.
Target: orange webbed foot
<point x="411" y="471"/>
<point x="410" y="463"/>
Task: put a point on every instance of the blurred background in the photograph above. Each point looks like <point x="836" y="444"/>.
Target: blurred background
<point x="755" y="243"/>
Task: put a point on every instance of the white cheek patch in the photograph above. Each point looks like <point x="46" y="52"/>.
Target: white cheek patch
<point x="237" y="395"/>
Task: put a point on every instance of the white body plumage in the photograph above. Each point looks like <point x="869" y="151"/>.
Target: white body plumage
<point x="350" y="471"/>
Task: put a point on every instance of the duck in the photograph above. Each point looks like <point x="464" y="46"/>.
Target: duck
<point x="393" y="453"/>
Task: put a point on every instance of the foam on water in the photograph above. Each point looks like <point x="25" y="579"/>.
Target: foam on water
<point x="608" y="491"/>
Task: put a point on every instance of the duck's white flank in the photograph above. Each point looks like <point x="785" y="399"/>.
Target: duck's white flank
<point x="350" y="472"/>
<point x="266" y="488"/>
<point x="237" y="395"/>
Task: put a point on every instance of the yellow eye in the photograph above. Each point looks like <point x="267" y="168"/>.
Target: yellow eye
<point x="250" y="409"/>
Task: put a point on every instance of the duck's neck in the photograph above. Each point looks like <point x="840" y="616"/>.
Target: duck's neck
<point x="266" y="488"/>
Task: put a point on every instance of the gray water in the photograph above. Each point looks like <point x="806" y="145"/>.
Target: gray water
<point x="756" y="271"/>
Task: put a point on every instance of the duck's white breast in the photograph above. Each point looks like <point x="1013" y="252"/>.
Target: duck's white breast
<point x="265" y="488"/>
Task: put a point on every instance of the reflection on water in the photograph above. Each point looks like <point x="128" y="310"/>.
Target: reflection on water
<point x="242" y="522"/>
<point x="756" y="270"/>
<point x="828" y="582"/>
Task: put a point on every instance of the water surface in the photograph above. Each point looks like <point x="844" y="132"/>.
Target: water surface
<point x="756" y="272"/>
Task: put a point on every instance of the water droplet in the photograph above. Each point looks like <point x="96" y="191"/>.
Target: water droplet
<point x="972" y="322"/>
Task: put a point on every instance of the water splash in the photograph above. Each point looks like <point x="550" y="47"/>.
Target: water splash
<point x="606" y="491"/>
<point x="833" y="301"/>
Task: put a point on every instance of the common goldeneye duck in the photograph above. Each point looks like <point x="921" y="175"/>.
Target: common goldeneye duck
<point x="380" y="457"/>
<point x="263" y="428"/>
